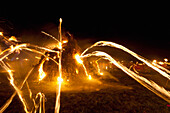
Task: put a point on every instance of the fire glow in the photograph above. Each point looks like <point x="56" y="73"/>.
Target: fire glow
<point x="15" y="47"/>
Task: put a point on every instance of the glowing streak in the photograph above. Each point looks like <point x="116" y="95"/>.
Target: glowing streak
<point x="65" y="41"/>
<point x="43" y="48"/>
<point x="50" y="36"/>
<point x="11" y="79"/>
<point x="41" y="102"/>
<point x="60" y="80"/>
<point x="98" y="68"/>
<point x="59" y="45"/>
<point x="77" y="71"/>
<point x="41" y="71"/>
<point x="10" y="50"/>
<point x="112" y="44"/>
<point x="78" y="59"/>
<point x="35" y="51"/>
<point x="13" y="38"/>
<point x="160" y="91"/>
<point x="85" y="69"/>
<point x="57" y="104"/>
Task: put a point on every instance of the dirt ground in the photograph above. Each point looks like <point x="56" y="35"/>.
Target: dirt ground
<point x="107" y="96"/>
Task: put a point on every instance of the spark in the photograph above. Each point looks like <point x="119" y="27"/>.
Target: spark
<point x="59" y="45"/>
<point x="42" y="74"/>
<point x="50" y="36"/>
<point x="78" y="59"/>
<point x="165" y="59"/>
<point x="65" y="41"/>
<point x="89" y="77"/>
<point x="154" y="61"/>
<point x="13" y="38"/>
<point x="1" y="33"/>
<point x="161" y="63"/>
<point x="60" y="80"/>
<point x="57" y="103"/>
<point x="152" y="86"/>
<point x="147" y="62"/>
<point x="77" y="71"/>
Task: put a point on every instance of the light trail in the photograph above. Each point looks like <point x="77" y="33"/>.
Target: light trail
<point x="15" y="47"/>
<point x="58" y="92"/>
<point x="42" y="74"/>
<point x="50" y="36"/>
<point x="112" y="44"/>
<point x="152" y="86"/>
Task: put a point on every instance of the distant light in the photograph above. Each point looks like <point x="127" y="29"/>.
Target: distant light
<point x="47" y="59"/>
<point x="161" y="63"/>
<point x="1" y="33"/>
<point x="26" y="59"/>
<point x="154" y="61"/>
<point x="101" y="73"/>
<point x="166" y="60"/>
<point x="54" y="57"/>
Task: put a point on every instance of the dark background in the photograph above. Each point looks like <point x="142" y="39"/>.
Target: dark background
<point x="144" y="29"/>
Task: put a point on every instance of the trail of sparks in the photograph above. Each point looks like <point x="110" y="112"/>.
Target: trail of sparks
<point x="57" y="104"/>
<point x="14" y="47"/>
<point x="112" y="44"/>
<point x="5" y="54"/>
<point x="160" y="91"/>
<point x="41" y="71"/>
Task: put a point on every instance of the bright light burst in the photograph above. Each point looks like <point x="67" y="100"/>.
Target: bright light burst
<point x="78" y="59"/>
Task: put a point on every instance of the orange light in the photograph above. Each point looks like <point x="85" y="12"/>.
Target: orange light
<point x="89" y="77"/>
<point x="60" y="80"/>
<point x="13" y="38"/>
<point x="77" y="57"/>
<point x="1" y="33"/>
<point x="41" y="71"/>
<point x="166" y="60"/>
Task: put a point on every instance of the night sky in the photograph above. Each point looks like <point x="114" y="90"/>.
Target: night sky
<point x="146" y="31"/>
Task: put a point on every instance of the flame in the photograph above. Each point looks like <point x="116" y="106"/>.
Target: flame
<point x="77" y="57"/>
<point x="13" y="38"/>
<point x="166" y="60"/>
<point x="42" y="74"/>
<point x="65" y="41"/>
<point x="59" y="45"/>
<point x="1" y="34"/>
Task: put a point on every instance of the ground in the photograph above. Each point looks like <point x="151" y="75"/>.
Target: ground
<point x="125" y="96"/>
